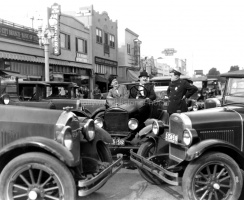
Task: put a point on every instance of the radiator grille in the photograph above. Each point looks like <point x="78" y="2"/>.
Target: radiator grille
<point x="226" y="135"/>
<point x="116" y="121"/>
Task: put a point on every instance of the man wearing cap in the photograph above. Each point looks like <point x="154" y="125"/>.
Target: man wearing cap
<point x="178" y="92"/>
<point x="145" y="89"/>
<point x="118" y="91"/>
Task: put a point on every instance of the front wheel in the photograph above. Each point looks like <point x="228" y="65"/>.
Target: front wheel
<point x="147" y="149"/>
<point x="36" y="176"/>
<point x="212" y="176"/>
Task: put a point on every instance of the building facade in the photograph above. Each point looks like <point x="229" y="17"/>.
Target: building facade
<point x="104" y="43"/>
<point x="129" y="53"/>
<point x="20" y="51"/>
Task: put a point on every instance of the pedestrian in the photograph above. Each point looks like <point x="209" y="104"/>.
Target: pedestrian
<point x="178" y="92"/>
<point x="85" y="92"/>
<point x="118" y="90"/>
<point x="97" y="92"/>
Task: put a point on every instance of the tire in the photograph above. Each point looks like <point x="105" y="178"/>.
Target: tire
<point x="104" y="153"/>
<point x="37" y="169"/>
<point x="146" y="150"/>
<point x="199" y="171"/>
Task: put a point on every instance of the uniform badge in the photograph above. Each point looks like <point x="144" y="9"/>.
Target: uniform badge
<point x="176" y="88"/>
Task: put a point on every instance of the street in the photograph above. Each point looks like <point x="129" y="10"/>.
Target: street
<point x="127" y="184"/>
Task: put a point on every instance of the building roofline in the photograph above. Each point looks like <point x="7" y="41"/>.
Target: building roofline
<point x="130" y="31"/>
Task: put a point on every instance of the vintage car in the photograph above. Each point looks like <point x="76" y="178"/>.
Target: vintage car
<point x="42" y="94"/>
<point x="202" y="150"/>
<point x="50" y="154"/>
<point x="124" y="118"/>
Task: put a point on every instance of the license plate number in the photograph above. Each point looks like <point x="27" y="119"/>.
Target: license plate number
<point x="171" y="137"/>
<point x="118" y="141"/>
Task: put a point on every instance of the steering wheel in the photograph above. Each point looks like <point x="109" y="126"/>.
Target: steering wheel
<point x="135" y="92"/>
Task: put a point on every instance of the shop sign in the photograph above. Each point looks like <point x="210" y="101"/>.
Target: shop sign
<point x="19" y="34"/>
<point x="81" y="58"/>
<point x="55" y="14"/>
<point x="169" y="52"/>
<point x="106" y="62"/>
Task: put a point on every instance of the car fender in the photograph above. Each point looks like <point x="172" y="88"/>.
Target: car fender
<point x="103" y="135"/>
<point x="214" y="145"/>
<point x="145" y="131"/>
<point x="101" y="109"/>
<point x="81" y="113"/>
<point x="37" y="144"/>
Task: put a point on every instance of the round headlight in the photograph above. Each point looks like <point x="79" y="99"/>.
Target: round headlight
<point x="89" y="130"/>
<point x="187" y="137"/>
<point x="99" y="122"/>
<point x="65" y="137"/>
<point x="5" y="99"/>
<point x="133" y="124"/>
<point x="68" y="142"/>
<point x="155" y="127"/>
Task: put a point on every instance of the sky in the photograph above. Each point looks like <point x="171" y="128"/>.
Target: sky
<point x="207" y="33"/>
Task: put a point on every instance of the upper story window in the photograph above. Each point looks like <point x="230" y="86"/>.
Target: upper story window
<point x="99" y="37"/>
<point x="81" y="45"/>
<point x="65" y="41"/>
<point x="112" y="41"/>
<point x="128" y="48"/>
<point x="106" y="38"/>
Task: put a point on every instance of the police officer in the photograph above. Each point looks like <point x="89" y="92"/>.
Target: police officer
<point x="178" y="92"/>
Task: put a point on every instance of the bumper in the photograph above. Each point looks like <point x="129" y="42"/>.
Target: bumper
<point x="169" y="177"/>
<point x="87" y="187"/>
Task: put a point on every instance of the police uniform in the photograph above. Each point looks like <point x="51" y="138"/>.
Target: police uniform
<point x="176" y="90"/>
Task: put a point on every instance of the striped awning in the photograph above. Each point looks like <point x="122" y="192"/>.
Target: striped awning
<point x="29" y="58"/>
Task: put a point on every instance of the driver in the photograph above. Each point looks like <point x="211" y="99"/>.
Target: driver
<point x="145" y="89"/>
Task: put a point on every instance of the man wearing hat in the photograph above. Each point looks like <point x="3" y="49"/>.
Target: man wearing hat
<point x="178" y="92"/>
<point x="118" y="91"/>
<point x="145" y="90"/>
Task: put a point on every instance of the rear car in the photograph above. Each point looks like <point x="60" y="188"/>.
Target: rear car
<point x="202" y="150"/>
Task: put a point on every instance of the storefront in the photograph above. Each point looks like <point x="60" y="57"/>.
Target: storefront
<point x="104" y="70"/>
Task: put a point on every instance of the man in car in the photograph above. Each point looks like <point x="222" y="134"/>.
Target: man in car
<point x="145" y="89"/>
<point x="178" y="92"/>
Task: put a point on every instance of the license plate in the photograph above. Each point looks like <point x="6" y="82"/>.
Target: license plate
<point x="118" y="141"/>
<point x="171" y="137"/>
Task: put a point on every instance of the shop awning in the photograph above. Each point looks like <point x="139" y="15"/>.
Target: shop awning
<point x="11" y="73"/>
<point x="133" y="75"/>
<point x="100" y="78"/>
<point x="37" y="59"/>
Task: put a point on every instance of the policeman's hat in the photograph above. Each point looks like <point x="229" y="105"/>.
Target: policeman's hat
<point x="176" y="71"/>
<point x="143" y="73"/>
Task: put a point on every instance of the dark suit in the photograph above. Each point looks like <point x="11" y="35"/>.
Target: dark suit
<point x="148" y="91"/>
<point x="176" y="90"/>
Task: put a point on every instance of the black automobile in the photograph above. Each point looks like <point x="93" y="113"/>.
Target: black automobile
<point x="202" y="150"/>
<point x="123" y="120"/>
<point x="50" y="154"/>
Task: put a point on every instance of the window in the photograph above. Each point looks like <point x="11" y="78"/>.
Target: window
<point x="99" y="38"/>
<point x="65" y="41"/>
<point x="106" y="38"/>
<point x="81" y="45"/>
<point x="128" y="48"/>
<point x="112" y="41"/>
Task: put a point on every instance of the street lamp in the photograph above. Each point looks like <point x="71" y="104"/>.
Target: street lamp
<point x="44" y="35"/>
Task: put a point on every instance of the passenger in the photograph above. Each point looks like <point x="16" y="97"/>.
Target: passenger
<point x="118" y="90"/>
<point x="97" y="92"/>
<point x="178" y="92"/>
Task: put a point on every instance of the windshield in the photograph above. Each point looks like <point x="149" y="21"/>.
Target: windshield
<point x="235" y="87"/>
<point x="198" y="84"/>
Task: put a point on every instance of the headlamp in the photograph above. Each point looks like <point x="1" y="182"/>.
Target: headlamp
<point x="187" y="137"/>
<point x="89" y="130"/>
<point x="155" y="127"/>
<point x="99" y="122"/>
<point x="133" y="124"/>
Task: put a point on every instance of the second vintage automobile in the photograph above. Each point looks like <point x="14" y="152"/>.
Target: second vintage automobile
<point x="202" y="150"/>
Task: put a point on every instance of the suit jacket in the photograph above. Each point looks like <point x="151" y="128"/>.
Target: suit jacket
<point x="176" y="90"/>
<point x="148" y="91"/>
<point x="122" y="92"/>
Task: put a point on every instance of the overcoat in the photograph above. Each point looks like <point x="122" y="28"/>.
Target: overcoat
<point x="122" y="92"/>
<point x="176" y="90"/>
